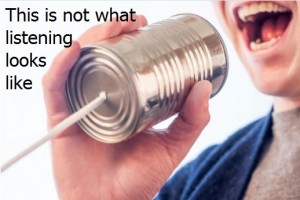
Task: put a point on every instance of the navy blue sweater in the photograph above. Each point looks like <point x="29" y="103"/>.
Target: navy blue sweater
<point x="221" y="172"/>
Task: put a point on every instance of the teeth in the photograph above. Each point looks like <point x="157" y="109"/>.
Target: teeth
<point x="258" y="40"/>
<point x="257" y="45"/>
<point x="254" y="8"/>
<point x="250" y="19"/>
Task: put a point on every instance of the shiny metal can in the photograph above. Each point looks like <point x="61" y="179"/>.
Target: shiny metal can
<point x="146" y="75"/>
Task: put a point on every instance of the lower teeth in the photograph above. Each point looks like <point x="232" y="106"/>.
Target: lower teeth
<point x="257" y="45"/>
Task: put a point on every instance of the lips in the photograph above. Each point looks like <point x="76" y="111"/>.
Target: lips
<point x="262" y="23"/>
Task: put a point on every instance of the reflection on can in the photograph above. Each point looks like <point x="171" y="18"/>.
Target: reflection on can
<point x="146" y="74"/>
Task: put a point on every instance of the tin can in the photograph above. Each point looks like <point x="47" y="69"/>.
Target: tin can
<point x="146" y="75"/>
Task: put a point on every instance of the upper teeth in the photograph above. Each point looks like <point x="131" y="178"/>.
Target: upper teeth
<point x="254" y="8"/>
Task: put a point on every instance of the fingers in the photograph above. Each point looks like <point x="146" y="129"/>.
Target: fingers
<point x="133" y="25"/>
<point x="192" y="119"/>
<point x="111" y="29"/>
<point x="194" y="114"/>
<point x="100" y="32"/>
<point x="143" y="20"/>
<point x="54" y="80"/>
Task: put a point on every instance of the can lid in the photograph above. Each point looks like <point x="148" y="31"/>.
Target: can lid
<point x="97" y="70"/>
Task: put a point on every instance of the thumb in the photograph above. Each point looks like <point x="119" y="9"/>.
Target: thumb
<point x="191" y="120"/>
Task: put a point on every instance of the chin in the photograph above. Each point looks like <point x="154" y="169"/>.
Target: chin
<point x="266" y="37"/>
<point x="272" y="87"/>
<point x="278" y="82"/>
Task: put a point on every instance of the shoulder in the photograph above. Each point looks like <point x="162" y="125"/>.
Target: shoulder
<point x="244" y="135"/>
<point x="210" y="164"/>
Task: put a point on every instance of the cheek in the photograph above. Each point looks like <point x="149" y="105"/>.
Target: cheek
<point x="295" y="74"/>
<point x="278" y="77"/>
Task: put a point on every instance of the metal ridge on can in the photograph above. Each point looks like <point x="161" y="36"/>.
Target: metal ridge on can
<point x="146" y="75"/>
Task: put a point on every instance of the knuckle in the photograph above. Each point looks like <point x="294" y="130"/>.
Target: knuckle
<point x="206" y="118"/>
<point x="206" y="114"/>
<point x="188" y="124"/>
<point x="45" y="81"/>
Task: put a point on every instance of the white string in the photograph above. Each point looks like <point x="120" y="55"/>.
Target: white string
<point x="63" y="125"/>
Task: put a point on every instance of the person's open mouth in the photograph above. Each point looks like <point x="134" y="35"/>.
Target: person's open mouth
<point x="262" y="23"/>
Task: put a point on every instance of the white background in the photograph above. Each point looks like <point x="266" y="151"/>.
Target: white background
<point x="23" y="118"/>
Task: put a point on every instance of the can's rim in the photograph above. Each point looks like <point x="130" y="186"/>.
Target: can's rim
<point x="223" y="46"/>
<point x="134" y="108"/>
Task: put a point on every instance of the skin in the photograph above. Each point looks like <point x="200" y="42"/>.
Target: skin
<point x="137" y="168"/>
<point x="275" y="72"/>
<point x="134" y="169"/>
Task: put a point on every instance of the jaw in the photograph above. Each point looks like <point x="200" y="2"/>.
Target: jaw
<point x="275" y="74"/>
<point x="273" y="62"/>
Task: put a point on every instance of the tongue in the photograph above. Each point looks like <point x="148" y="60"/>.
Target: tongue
<point x="273" y="28"/>
<point x="281" y="24"/>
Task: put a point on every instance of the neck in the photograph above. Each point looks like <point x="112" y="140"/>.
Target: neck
<point x="284" y="104"/>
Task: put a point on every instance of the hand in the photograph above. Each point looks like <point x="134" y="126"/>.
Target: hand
<point x="133" y="169"/>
